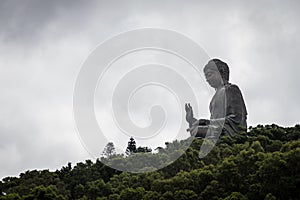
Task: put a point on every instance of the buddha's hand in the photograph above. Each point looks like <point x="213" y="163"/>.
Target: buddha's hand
<point x="189" y="113"/>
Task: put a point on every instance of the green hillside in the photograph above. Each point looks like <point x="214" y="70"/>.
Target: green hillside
<point x="263" y="163"/>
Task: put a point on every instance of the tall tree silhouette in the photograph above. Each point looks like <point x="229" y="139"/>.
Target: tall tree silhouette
<point x="109" y="150"/>
<point x="131" y="148"/>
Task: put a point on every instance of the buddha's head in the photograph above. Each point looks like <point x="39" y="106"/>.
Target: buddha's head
<point x="216" y="73"/>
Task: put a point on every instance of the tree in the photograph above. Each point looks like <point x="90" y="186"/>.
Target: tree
<point x="131" y="148"/>
<point x="132" y="194"/>
<point x="152" y="195"/>
<point x="109" y="150"/>
<point x="269" y="196"/>
<point x="143" y="150"/>
<point x="185" y="195"/>
<point x="235" y="196"/>
<point x="11" y="196"/>
<point x="79" y="191"/>
<point x="97" y="188"/>
<point x="46" y="193"/>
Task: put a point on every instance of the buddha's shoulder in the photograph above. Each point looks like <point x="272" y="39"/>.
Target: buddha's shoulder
<point x="230" y="87"/>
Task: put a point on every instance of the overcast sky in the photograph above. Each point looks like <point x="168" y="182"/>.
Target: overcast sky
<point x="44" y="43"/>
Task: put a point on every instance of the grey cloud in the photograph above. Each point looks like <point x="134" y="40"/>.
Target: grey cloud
<point x="24" y="21"/>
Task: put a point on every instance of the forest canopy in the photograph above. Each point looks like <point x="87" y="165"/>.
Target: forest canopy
<point x="262" y="163"/>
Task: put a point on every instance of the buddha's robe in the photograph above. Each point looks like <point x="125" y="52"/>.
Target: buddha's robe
<point x="228" y="112"/>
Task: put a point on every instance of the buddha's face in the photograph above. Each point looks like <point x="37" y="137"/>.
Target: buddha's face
<point x="213" y="78"/>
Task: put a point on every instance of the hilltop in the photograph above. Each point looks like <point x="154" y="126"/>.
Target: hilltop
<point x="262" y="163"/>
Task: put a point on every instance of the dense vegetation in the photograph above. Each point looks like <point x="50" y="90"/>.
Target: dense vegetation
<point x="263" y="163"/>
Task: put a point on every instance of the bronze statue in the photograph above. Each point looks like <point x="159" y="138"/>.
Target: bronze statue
<point x="227" y="107"/>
